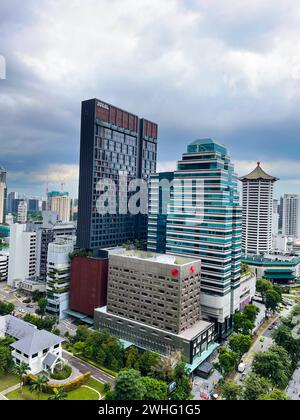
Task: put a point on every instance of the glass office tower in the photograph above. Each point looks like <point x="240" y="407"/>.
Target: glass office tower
<point x="114" y="143"/>
<point x="204" y="220"/>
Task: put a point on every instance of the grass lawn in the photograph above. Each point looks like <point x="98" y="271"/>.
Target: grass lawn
<point x="6" y="381"/>
<point x="93" y="383"/>
<point x="79" y="394"/>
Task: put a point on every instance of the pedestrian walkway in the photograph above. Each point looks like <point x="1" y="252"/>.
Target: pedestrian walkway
<point x="74" y="375"/>
<point x="11" y="389"/>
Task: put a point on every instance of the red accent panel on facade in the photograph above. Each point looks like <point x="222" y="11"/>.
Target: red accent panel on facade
<point x="113" y="115"/>
<point x="132" y="123"/>
<point x="119" y="118"/>
<point x="102" y="114"/>
<point x="125" y="120"/>
<point x="88" y="284"/>
<point x="175" y="272"/>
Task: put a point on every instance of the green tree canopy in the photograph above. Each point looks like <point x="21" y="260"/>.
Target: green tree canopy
<point x="240" y="343"/>
<point x="231" y="391"/>
<point x="256" y="386"/>
<point x="154" y="389"/>
<point x="273" y="299"/>
<point x="274" y="395"/>
<point x="275" y="365"/>
<point x="129" y="386"/>
<point x="227" y="361"/>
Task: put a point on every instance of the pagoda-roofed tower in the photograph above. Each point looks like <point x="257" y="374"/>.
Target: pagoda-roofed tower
<point x="258" y="187"/>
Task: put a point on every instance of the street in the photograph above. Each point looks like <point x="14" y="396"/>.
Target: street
<point x="84" y="367"/>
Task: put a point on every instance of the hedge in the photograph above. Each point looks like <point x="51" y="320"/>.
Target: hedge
<point x="69" y="386"/>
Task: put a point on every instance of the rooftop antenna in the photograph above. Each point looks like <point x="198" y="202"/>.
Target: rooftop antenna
<point x="47" y="193"/>
<point x="62" y="185"/>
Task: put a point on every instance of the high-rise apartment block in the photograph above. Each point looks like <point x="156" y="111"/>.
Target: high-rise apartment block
<point x="153" y="302"/>
<point x="60" y="203"/>
<point x="22" y="255"/>
<point x="202" y="220"/>
<point x="3" y="194"/>
<point x="257" y="224"/>
<point x="4" y="259"/>
<point x="114" y="143"/>
<point x="291" y="215"/>
<point x="22" y="212"/>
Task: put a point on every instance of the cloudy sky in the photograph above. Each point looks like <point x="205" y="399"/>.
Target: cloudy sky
<point x="199" y="68"/>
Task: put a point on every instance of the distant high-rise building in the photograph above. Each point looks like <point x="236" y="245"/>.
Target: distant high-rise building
<point x="22" y="212"/>
<point x="258" y="189"/>
<point x="276" y="217"/>
<point x="3" y="194"/>
<point x="291" y="215"/>
<point x="33" y="204"/>
<point x="22" y="254"/>
<point x="203" y="221"/>
<point x="114" y="142"/>
<point x="11" y="196"/>
<point x="60" y="202"/>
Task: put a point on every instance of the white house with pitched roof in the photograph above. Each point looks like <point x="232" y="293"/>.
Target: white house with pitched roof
<point x="40" y="349"/>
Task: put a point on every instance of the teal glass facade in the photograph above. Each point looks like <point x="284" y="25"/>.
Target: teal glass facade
<point x="207" y="226"/>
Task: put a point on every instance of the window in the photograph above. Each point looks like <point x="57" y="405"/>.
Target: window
<point x="35" y="355"/>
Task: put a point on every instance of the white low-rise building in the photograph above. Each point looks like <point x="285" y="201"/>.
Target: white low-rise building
<point x="40" y="349"/>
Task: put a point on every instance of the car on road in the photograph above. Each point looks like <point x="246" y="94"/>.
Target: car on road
<point x="242" y="367"/>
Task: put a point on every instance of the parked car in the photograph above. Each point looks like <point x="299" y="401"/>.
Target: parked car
<point x="242" y="367"/>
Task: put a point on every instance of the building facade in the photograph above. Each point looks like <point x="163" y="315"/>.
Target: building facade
<point x="114" y="142"/>
<point x="204" y="221"/>
<point x="59" y="275"/>
<point x="257" y="224"/>
<point x="153" y="303"/>
<point x="89" y="277"/>
<point x="4" y="258"/>
<point x="291" y="215"/>
<point x="60" y="203"/>
<point x="22" y="255"/>
<point x="3" y="194"/>
<point x="22" y="212"/>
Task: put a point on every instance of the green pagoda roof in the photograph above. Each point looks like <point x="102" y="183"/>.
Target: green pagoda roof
<point x="258" y="174"/>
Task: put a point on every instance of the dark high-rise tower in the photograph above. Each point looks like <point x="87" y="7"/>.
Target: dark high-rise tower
<point x="113" y="142"/>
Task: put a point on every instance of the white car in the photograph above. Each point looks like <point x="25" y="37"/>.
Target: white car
<point x="242" y="367"/>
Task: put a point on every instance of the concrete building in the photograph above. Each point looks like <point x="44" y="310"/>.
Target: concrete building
<point x="257" y="212"/>
<point x="48" y="231"/>
<point x="58" y="275"/>
<point x="3" y="194"/>
<point x="22" y="212"/>
<point x="9" y="219"/>
<point x="291" y="215"/>
<point x="153" y="302"/>
<point x="60" y="203"/>
<point x="22" y="255"/>
<point x="4" y="258"/>
<point x="203" y="221"/>
<point x="40" y="349"/>
<point x="114" y="142"/>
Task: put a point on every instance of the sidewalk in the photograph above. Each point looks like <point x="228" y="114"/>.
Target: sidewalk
<point x="11" y="389"/>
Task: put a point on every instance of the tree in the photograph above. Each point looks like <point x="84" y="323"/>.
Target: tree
<point x="21" y="370"/>
<point x="242" y="324"/>
<point x="183" y="381"/>
<point x="240" y="343"/>
<point x="163" y="369"/>
<point x="147" y="361"/>
<point x="251" y="312"/>
<point x="231" y="391"/>
<point x="39" y="384"/>
<point x="255" y="386"/>
<point x="283" y="337"/>
<point x="154" y="389"/>
<point x="79" y="347"/>
<point x="273" y="299"/>
<point x="132" y="358"/>
<point x="274" y="395"/>
<point x="129" y="386"/>
<point x="59" y="395"/>
<point x="275" y="365"/>
<point x="262" y="286"/>
<point x="6" y="308"/>
<point x="6" y="361"/>
<point x="227" y="361"/>
<point x="42" y="305"/>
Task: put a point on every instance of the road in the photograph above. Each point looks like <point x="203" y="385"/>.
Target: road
<point x="293" y="389"/>
<point x="9" y="296"/>
<point x="84" y="367"/>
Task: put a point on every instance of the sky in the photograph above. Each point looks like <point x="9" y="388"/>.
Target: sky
<point x="228" y="70"/>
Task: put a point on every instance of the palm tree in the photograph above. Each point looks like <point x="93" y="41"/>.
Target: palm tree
<point x="21" y="370"/>
<point x="59" y="395"/>
<point x="39" y="385"/>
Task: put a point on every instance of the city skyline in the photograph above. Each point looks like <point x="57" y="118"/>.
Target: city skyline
<point x="224" y="81"/>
